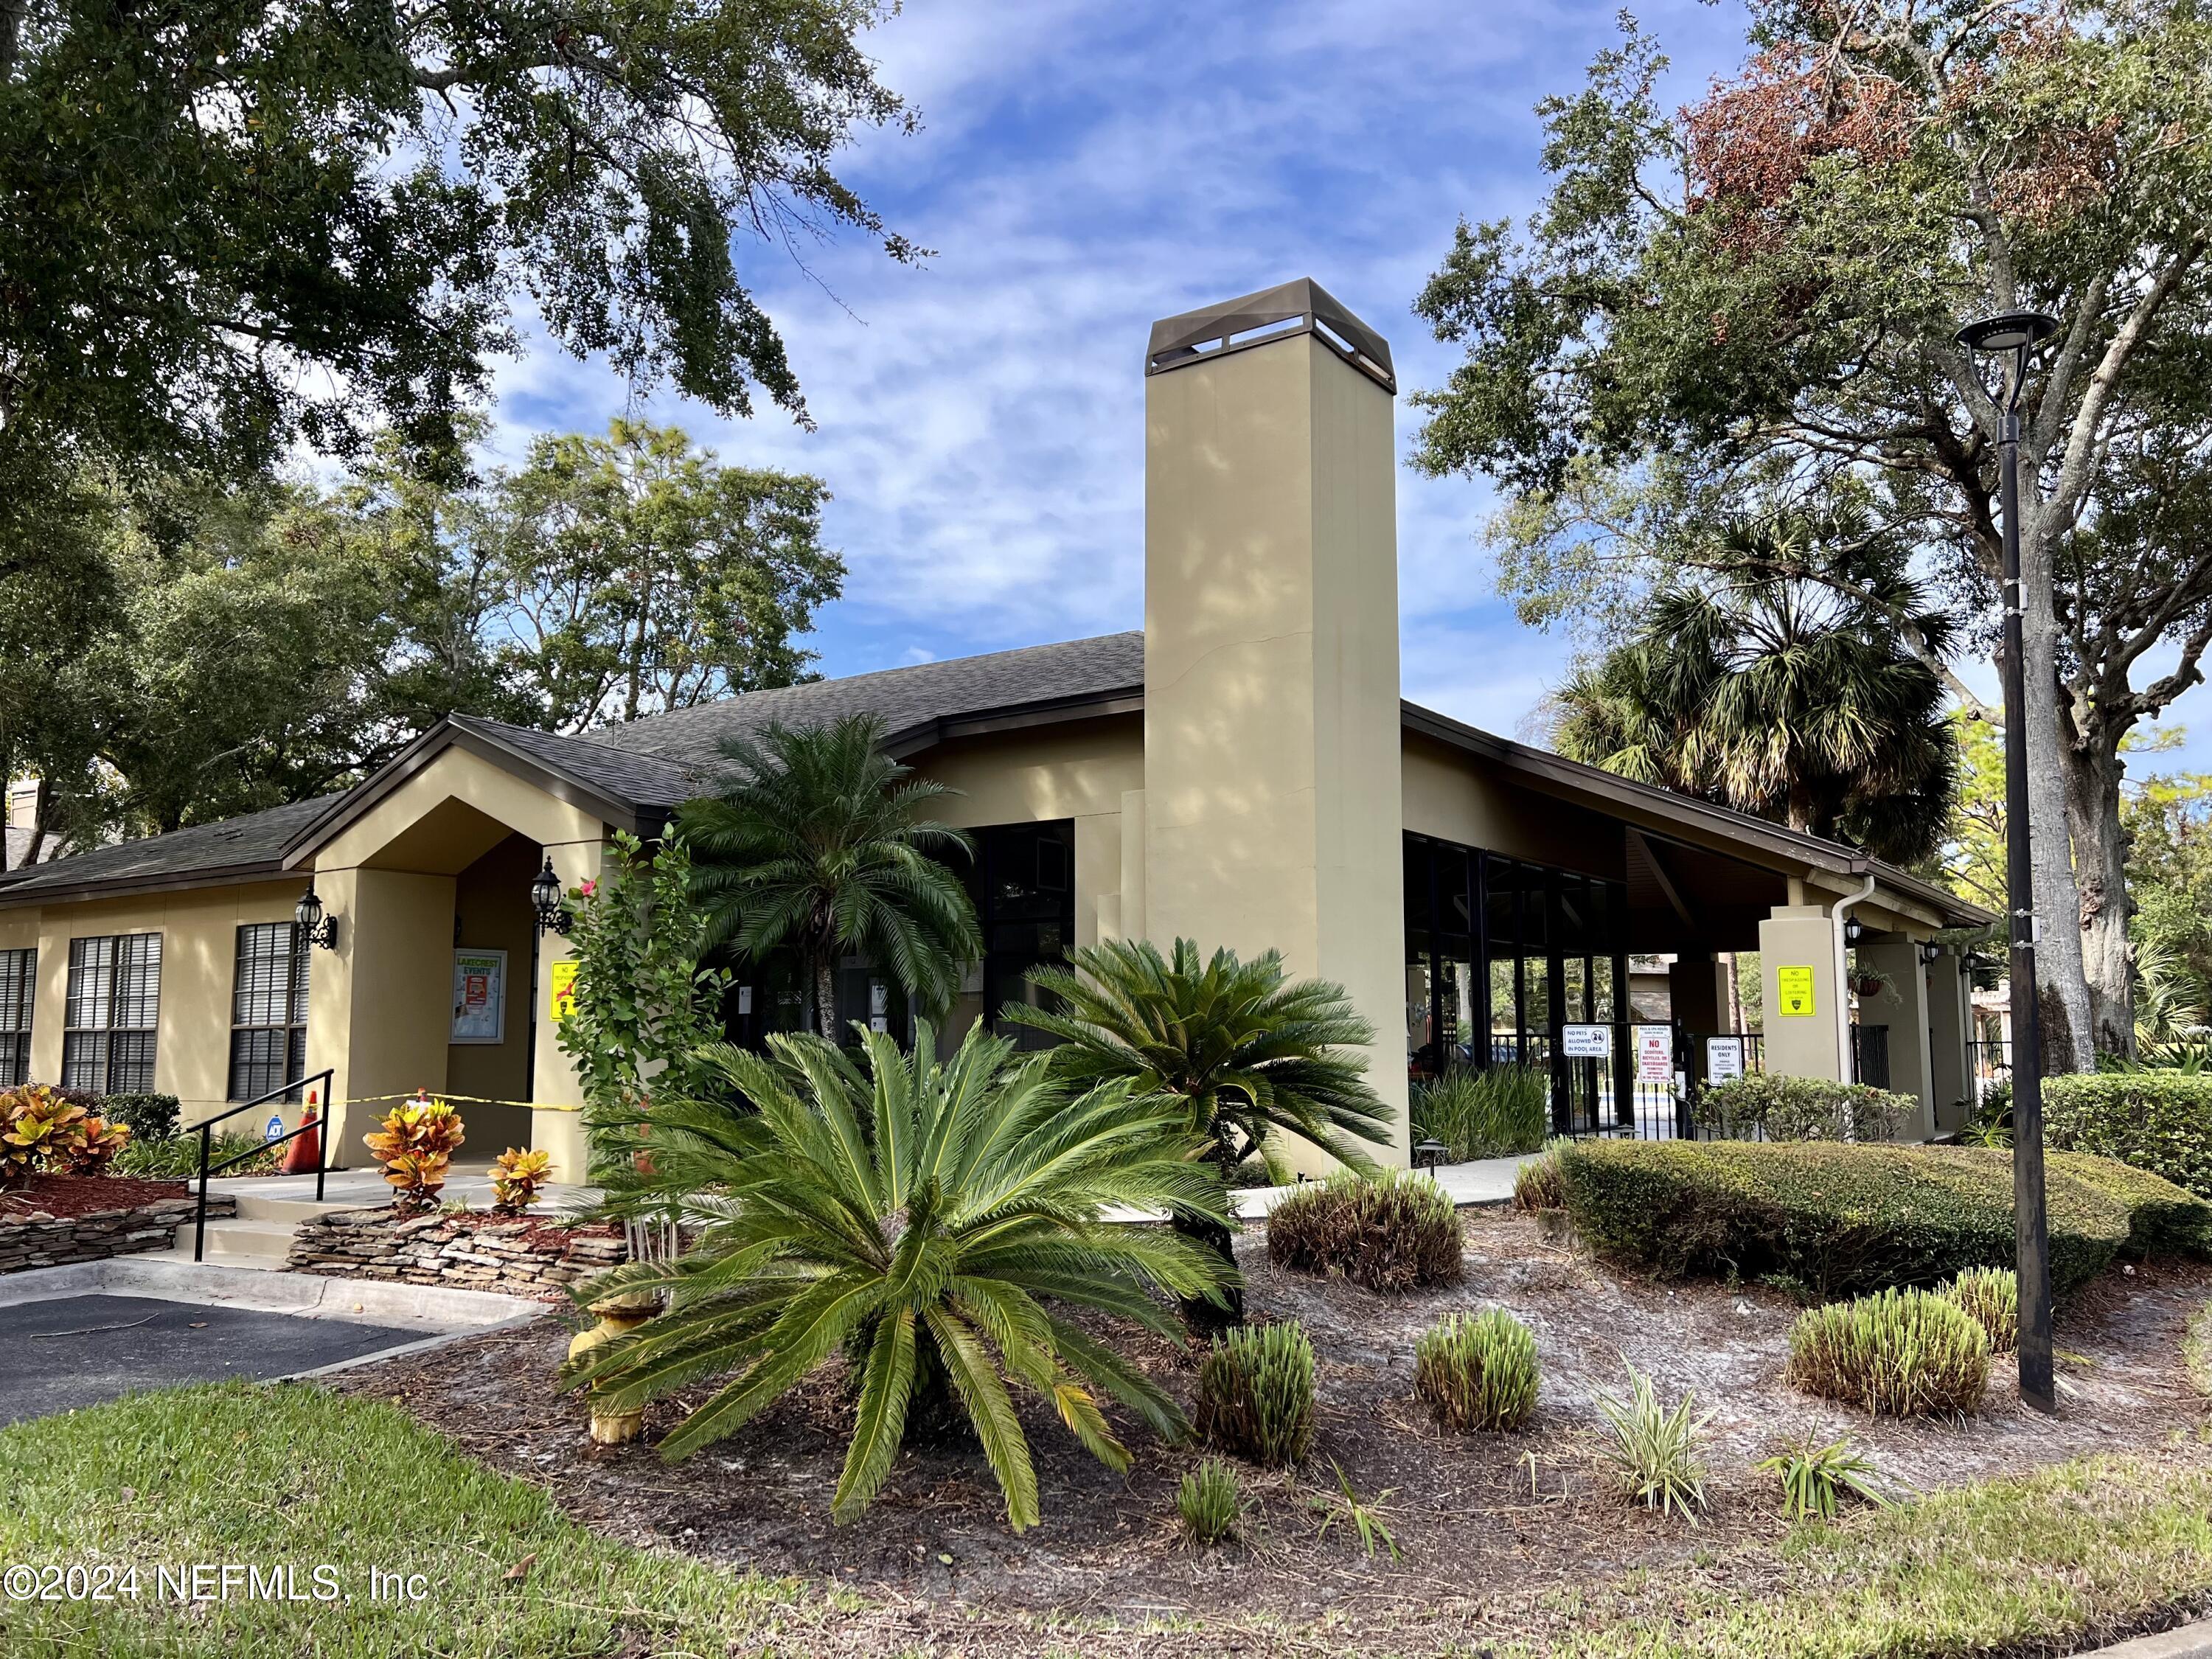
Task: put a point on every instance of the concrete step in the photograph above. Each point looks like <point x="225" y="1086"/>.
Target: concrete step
<point x="252" y="1207"/>
<point x="241" y="1243"/>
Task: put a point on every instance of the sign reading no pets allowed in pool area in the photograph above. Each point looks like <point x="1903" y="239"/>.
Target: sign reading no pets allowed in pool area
<point x="1795" y="988"/>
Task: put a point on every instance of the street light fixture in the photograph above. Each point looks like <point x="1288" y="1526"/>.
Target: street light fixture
<point x="546" y="908"/>
<point x="2009" y="339"/>
<point x="315" y="926"/>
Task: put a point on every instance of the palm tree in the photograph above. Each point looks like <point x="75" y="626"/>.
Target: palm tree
<point x="818" y="847"/>
<point x="1247" y="1051"/>
<point x="1781" y="683"/>
<point x="932" y="1220"/>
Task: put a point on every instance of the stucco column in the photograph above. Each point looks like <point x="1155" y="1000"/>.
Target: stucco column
<point x="552" y="1074"/>
<point x="1273" y="804"/>
<point x="1951" y="1027"/>
<point x="1902" y="1006"/>
<point x="379" y="1006"/>
<point x="1797" y="948"/>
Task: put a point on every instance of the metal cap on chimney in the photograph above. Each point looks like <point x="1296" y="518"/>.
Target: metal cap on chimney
<point x="1304" y="307"/>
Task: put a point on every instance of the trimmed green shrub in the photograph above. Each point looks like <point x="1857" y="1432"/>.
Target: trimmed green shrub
<point x="1654" y="1451"/>
<point x="1835" y="1220"/>
<point x="1208" y="1503"/>
<point x="1990" y="1297"/>
<point x="151" y="1117"/>
<point x="179" y="1157"/>
<point x="1761" y="1105"/>
<point x="2158" y="1121"/>
<point x="1397" y="1232"/>
<point x="1901" y="1353"/>
<point x="1256" y="1395"/>
<point x="1498" y="1111"/>
<point x="1539" y="1184"/>
<point x="1477" y="1371"/>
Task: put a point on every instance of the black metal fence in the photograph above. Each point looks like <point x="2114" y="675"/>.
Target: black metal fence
<point x="1870" y="1055"/>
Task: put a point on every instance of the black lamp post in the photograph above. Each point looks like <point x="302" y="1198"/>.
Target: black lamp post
<point x="2009" y="339"/>
<point x="545" y="904"/>
<point x="315" y="926"/>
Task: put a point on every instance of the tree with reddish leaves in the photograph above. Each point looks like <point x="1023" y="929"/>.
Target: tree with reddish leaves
<point x="1746" y="308"/>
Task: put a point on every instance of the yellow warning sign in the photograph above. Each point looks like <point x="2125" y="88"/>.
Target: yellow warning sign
<point x="1795" y="986"/>
<point x="561" y="989"/>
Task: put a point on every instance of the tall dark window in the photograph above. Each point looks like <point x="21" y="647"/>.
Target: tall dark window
<point x="112" y="1013"/>
<point x="268" y="1009"/>
<point x="1023" y="881"/>
<point x="19" y="980"/>
<point x="1500" y="956"/>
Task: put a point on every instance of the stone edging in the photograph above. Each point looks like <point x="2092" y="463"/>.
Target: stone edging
<point x="56" y="1242"/>
<point x="466" y="1254"/>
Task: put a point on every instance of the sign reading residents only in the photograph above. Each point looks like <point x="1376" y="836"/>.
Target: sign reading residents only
<point x="1723" y="1059"/>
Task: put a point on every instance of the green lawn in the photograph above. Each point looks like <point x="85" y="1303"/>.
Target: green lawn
<point x="289" y="1474"/>
<point x="2088" y="1547"/>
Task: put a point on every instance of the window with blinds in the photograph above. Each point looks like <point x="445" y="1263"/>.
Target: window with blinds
<point x="269" y="1010"/>
<point x="19" y="979"/>
<point x="113" y="1013"/>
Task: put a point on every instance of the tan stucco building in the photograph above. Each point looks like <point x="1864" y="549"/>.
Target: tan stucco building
<point x="1242" y="772"/>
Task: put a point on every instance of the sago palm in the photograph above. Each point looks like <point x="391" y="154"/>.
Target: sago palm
<point x="935" y="1220"/>
<point x="819" y="846"/>
<point x="1247" y="1051"/>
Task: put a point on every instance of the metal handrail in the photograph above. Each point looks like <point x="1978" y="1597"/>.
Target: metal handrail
<point x="206" y="1126"/>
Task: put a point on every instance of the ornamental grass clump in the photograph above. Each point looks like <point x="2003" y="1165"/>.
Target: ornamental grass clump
<point x="1209" y="1504"/>
<point x="1541" y="1184"/>
<point x="1390" y="1232"/>
<point x="1477" y="1371"/>
<point x="941" y="1223"/>
<point x="1654" y="1451"/>
<point x="1496" y="1111"/>
<point x="1256" y="1395"/>
<point x="1901" y="1353"/>
<point x="1990" y="1297"/>
<point x="1815" y="1479"/>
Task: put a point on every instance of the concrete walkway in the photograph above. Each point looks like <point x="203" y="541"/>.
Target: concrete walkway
<point x="2189" y="1642"/>
<point x="1486" y="1181"/>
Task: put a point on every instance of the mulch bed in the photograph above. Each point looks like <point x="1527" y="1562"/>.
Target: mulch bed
<point x="1483" y="1523"/>
<point x="75" y="1195"/>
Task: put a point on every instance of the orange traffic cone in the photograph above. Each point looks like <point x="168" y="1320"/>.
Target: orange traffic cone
<point x="304" y="1151"/>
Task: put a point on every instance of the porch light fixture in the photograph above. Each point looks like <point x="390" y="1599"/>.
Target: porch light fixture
<point x="1854" y="930"/>
<point x="1931" y="952"/>
<point x="2008" y="340"/>
<point x="315" y="928"/>
<point x="545" y="903"/>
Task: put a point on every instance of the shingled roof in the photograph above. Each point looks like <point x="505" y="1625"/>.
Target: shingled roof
<point x="235" y="849"/>
<point x="642" y="769"/>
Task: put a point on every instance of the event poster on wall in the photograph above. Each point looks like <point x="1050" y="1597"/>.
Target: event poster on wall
<point x="479" y="996"/>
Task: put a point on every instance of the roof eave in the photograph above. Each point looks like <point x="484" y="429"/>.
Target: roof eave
<point x="460" y="732"/>
<point x="1832" y="857"/>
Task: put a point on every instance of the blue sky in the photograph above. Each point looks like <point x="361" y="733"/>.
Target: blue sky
<point x="1084" y="167"/>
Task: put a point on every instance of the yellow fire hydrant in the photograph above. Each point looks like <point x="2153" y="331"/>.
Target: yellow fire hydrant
<point x="610" y="1427"/>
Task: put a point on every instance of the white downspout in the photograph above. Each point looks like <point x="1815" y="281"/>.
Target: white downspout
<point x="1843" y="1059"/>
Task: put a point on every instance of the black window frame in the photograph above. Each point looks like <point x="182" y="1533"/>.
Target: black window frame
<point x="118" y="1050"/>
<point x="267" y="1052"/>
<point x="18" y="997"/>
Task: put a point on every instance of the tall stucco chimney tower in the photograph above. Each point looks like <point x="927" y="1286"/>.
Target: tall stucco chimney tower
<point x="1273" y="811"/>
